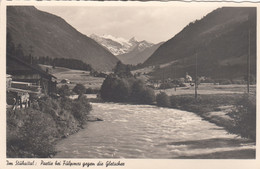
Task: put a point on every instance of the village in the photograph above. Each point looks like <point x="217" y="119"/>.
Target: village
<point x="27" y="82"/>
<point x="189" y="95"/>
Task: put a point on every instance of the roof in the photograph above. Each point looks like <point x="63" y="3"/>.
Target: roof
<point x="33" y="67"/>
<point x="21" y="90"/>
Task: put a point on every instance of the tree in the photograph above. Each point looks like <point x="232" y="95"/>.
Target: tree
<point x="252" y="79"/>
<point x="79" y="89"/>
<point x="19" y="51"/>
<point x="122" y="70"/>
<point x="64" y="91"/>
<point x="163" y="100"/>
<point x="10" y="47"/>
<point x="115" y="89"/>
<point x="148" y="96"/>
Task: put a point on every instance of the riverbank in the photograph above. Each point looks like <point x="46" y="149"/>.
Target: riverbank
<point x="235" y="112"/>
<point x="151" y="132"/>
<point x="33" y="132"/>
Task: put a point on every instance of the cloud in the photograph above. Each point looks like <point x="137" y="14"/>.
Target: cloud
<point x="150" y="23"/>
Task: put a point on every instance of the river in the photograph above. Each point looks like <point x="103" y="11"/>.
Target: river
<point x="144" y="131"/>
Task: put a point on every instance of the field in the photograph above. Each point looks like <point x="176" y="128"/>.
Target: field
<point x="75" y="77"/>
<point x="215" y="102"/>
<point x="83" y="77"/>
<point x="209" y="88"/>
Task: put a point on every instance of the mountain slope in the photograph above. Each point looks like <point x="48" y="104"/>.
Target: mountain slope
<point x="128" y="51"/>
<point x="119" y="46"/>
<point x="137" y="56"/>
<point x="220" y="41"/>
<point x="115" y="45"/>
<point x="50" y="35"/>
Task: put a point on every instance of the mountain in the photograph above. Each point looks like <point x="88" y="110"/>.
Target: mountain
<point x="220" y="40"/>
<point x="118" y="45"/>
<point x="128" y="51"/>
<point x="52" y="36"/>
<point x="139" y="54"/>
<point x="115" y="45"/>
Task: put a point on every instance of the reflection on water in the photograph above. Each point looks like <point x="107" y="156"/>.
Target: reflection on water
<point x="143" y="131"/>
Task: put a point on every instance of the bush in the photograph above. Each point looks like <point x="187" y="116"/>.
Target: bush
<point x="137" y="88"/>
<point x="91" y="91"/>
<point x="107" y="88"/>
<point x="181" y="100"/>
<point x="163" y="100"/>
<point x="122" y="90"/>
<point x="182" y="85"/>
<point x="79" y="89"/>
<point x="148" y="96"/>
<point x="208" y="80"/>
<point x="238" y="82"/>
<point x="115" y="89"/>
<point x="126" y="90"/>
<point x="225" y="82"/>
<point x="245" y="116"/>
<point x="31" y="132"/>
<point x="80" y="109"/>
<point x="34" y="135"/>
<point x="166" y="86"/>
<point x="64" y="91"/>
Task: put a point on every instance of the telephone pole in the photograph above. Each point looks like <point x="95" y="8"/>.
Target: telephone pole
<point x="248" y="63"/>
<point x="196" y="72"/>
<point x="163" y="81"/>
<point x="30" y="55"/>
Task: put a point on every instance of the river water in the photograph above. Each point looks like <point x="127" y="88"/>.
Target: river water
<point x="144" y="131"/>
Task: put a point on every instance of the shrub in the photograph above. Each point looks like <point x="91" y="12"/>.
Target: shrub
<point x="181" y="100"/>
<point x="182" y="85"/>
<point x="122" y="90"/>
<point x="31" y="132"/>
<point x="107" y="88"/>
<point x="137" y="88"/>
<point x="225" y="82"/>
<point x="148" y="96"/>
<point x="166" y="86"/>
<point x="238" y="82"/>
<point x="80" y="109"/>
<point x="252" y="79"/>
<point x="245" y="116"/>
<point x="34" y="136"/>
<point x="115" y="89"/>
<point x="208" y="80"/>
<point x="91" y="91"/>
<point x="125" y="90"/>
<point x="64" y="91"/>
<point x="163" y="100"/>
<point x="79" y="89"/>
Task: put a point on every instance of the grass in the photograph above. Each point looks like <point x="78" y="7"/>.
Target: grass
<point x="209" y="89"/>
<point x="75" y="77"/>
<point x="32" y="132"/>
<point x="80" y="77"/>
<point x="235" y="112"/>
<point x="213" y="104"/>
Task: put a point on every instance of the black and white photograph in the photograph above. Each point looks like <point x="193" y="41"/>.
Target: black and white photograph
<point x="144" y="81"/>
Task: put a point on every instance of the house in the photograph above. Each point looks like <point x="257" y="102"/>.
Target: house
<point x="188" y="78"/>
<point x="19" y="93"/>
<point x="22" y="71"/>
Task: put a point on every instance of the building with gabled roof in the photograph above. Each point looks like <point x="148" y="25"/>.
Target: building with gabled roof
<point x="22" y="71"/>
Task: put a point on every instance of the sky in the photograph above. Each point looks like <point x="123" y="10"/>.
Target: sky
<point x="151" y="23"/>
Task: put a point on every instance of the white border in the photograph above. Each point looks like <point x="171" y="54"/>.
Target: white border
<point x="130" y="163"/>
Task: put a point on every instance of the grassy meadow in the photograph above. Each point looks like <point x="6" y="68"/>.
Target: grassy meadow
<point x="75" y="77"/>
<point x="216" y="103"/>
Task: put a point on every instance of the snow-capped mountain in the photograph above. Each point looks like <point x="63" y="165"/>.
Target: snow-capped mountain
<point x="118" y="45"/>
